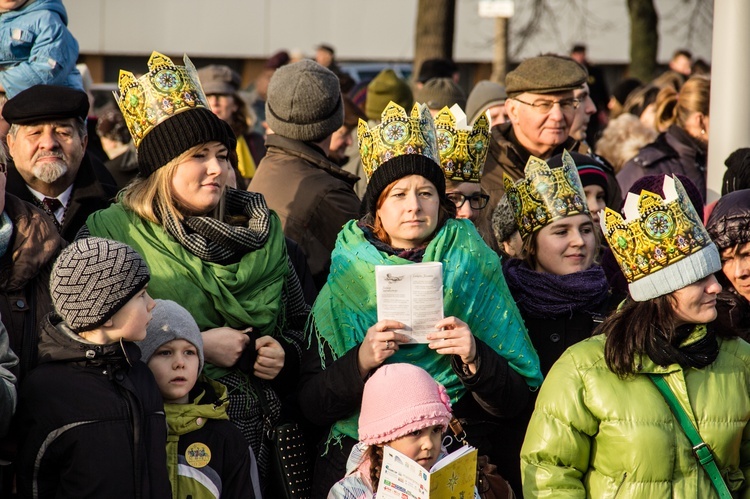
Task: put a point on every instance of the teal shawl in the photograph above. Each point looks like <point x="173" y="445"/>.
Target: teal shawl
<point x="474" y="291"/>
<point x="238" y="295"/>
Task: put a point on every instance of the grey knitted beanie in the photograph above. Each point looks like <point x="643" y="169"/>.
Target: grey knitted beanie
<point x="93" y="278"/>
<point x="503" y="221"/>
<point x="304" y="102"/>
<point x="170" y="321"/>
<point x="483" y="96"/>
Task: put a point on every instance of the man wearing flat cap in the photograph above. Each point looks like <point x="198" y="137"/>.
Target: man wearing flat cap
<point x="51" y="169"/>
<point x="540" y="109"/>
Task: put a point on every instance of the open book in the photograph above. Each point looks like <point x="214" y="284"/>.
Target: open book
<point x="411" y="294"/>
<point x="454" y="476"/>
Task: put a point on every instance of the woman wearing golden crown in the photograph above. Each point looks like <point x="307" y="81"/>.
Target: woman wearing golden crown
<point x="638" y="410"/>
<point x="480" y="352"/>
<point x="218" y="252"/>
<point x="463" y="149"/>
<point x="560" y="290"/>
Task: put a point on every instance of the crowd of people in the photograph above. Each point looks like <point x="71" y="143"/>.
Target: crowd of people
<point x="191" y="266"/>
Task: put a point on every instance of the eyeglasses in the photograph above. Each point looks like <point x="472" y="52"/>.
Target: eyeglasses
<point x="476" y="201"/>
<point x="544" y="106"/>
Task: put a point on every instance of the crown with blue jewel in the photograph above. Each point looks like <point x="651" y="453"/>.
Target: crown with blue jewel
<point x="166" y="90"/>
<point x="397" y="134"/>
<point x="463" y="148"/>
<point x="660" y="243"/>
<point x="545" y="194"/>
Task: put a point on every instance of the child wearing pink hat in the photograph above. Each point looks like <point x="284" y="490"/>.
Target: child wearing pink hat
<point x="404" y="408"/>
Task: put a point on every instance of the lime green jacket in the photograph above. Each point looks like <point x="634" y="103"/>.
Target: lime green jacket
<point x="593" y="434"/>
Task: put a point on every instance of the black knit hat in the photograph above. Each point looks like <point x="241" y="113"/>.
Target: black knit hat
<point x="737" y="176"/>
<point x="93" y="278"/>
<point x="397" y="168"/>
<point x="175" y="135"/>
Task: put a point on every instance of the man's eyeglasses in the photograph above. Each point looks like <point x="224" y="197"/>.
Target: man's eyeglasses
<point x="476" y="201"/>
<point x="544" y="106"/>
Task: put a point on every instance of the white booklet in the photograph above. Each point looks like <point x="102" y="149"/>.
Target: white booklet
<point x="452" y="477"/>
<point x="411" y="294"/>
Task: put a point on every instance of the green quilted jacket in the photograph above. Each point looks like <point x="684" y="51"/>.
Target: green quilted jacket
<point x="593" y="434"/>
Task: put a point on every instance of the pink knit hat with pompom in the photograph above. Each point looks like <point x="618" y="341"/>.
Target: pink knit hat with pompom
<point x="399" y="399"/>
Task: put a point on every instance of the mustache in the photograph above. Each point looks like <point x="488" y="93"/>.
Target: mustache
<point x="49" y="154"/>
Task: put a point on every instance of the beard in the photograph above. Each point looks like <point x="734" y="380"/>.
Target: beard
<point x="49" y="172"/>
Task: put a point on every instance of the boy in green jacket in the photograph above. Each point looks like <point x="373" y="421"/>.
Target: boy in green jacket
<point x="207" y="455"/>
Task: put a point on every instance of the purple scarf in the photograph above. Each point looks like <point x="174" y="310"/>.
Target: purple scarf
<point x="541" y="295"/>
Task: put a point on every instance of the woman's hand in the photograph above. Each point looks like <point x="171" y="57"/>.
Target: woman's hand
<point x="454" y="338"/>
<point x="270" y="358"/>
<point x="379" y="343"/>
<point x="223" y="346"/>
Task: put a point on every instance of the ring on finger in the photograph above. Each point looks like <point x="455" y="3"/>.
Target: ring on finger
<point x="388" y="345"/>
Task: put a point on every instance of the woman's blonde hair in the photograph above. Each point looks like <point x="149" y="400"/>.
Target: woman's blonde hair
<point x="623" y="139"/>
<point x="147" y="196"/>
<point x="673" y="108"/>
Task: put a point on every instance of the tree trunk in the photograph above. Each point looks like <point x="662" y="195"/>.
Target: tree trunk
<point x="644" y="39"/>
<point x="500" y="51"/>
<point x="436" y="21"/>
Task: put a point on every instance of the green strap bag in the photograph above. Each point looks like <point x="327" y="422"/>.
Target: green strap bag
<point x="701" y="449"/>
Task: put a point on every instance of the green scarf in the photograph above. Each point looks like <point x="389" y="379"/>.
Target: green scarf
<point x="237" y="295"/>
<point x="474" y="291"/>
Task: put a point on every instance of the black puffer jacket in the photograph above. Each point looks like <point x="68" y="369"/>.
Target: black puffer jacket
<point x="673" y="151"/>
<point x="729" y="226"/>
<point x="91" y="421"/>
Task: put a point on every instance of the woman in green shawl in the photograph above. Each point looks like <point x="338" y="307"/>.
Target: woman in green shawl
<point x="480" y="351"/>
<point x="217" y="251"/>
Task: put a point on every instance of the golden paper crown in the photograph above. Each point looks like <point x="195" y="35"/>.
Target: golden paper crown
<point x="462" y="148"/>
<point x="545" y="194"/>
<point x="164" y="91"/>
<point x="396" y="135"/>
<point x="655" y="233"/>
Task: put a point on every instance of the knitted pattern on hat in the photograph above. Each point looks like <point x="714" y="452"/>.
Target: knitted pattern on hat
<point x="304" y="102"/>
<point x="170" y="321"/>
<point x="93" y="278"/>
<point x="503" y="220"/>
<point x="400" y="399"/>
<point x="175" y="135"/>
<point x="483" y="96"/>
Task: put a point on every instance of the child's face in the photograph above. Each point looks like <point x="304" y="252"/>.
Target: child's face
<point x="129" y="323"/>
<point x="423" y="445"/>
<point x="175" y="367"/>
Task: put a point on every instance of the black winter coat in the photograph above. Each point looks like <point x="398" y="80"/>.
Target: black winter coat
<point x="92" y="422"/>
<point x="673" y="151"/>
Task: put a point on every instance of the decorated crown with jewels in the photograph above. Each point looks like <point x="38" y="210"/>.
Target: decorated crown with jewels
<point x="397" y="134"/>
<point x="166" y="90"/>
<point x="656" y="233"/>
<point x="462" y="148"/>
<point x="545" y="194"/>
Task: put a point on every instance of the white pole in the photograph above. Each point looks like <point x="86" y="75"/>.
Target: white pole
<point x="730" y="81"/>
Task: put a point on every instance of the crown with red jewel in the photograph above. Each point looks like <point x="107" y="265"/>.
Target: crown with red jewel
<point x="463" y="148"/>
<point x="660" y="243"/>
<point x="166" y="90"/>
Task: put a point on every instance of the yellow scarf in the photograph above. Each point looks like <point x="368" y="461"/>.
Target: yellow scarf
<point x="246" y="164"/>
